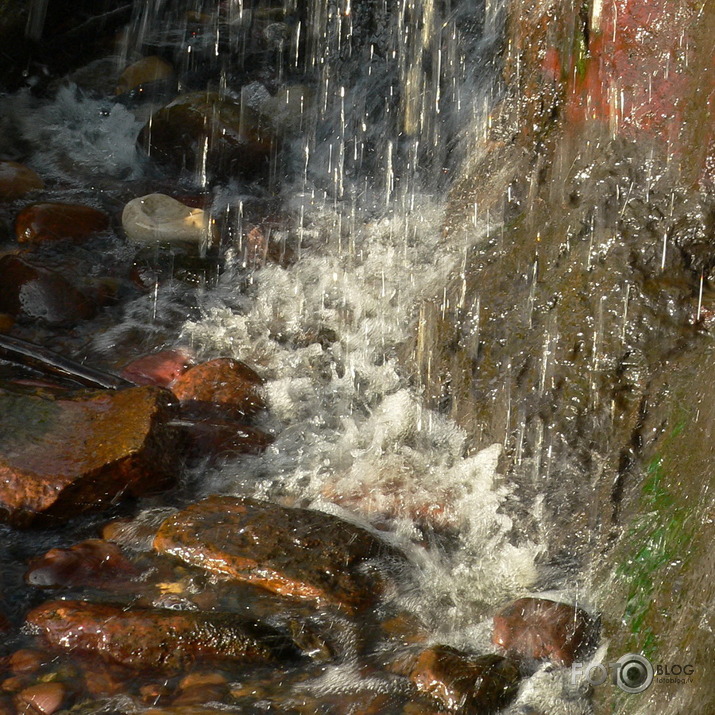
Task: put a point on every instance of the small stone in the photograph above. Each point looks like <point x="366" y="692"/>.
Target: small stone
<point x="470" y="685"/>
<point x="16" y="180"/>
<point x="167" y="640"/>
<point x="219" y="438"/>
<point x="94" y="563"/>
<point x="160" y="368"/>
<point x="157" y="218"/>
<point x="43" y="222"/>
<point x="60" y="456"/>
<point x="26" y="660"/>
<point x="31" y="292"/>
<point x="297" y="553"/>
<point x="225" y="383"/>
<point x="45" y="698"/>
<point x="147" y="69"/>
<point x="6" y="323"/>
<point x="211" y="135"/>
<point x="536" y="628"/>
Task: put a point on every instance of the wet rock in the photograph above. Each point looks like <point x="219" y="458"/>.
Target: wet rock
<point x="210" y="134"/>
<point x="218" y="438"/>
<point x="43" y="698"/>
<point x="537" y="628"/>
<point x="147" y="69"/>
<point x="160" y="368"/>
<point x="26" y="660"/>
<point x="157" y="218"/>
<point x="94" y="563"/>
<point x="293" y="552"/>
<point x="224" y="383"/>
<point x="463" y="683"/>
<point x="31" y="292"/>
<point x="165" y="640"/>
<point x="6" y="322"/>
<point x="62" y="456"/>
<point x="42" y="222"/>
<point x="16" y="180"/>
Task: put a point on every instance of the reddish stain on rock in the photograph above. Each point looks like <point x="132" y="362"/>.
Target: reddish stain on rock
<point x="540" y="629"/>
<point x="48" y="221"/>
<point x="227" y="384"/>
<point x="94" y="563"/>
<point x="160" y="368"/>
<point x="31" y="292"/>
<point x="464" y="683"/>
<point x="298" y="553"/>
<point x="62" y="456"/>
<point x="157" y="639"/>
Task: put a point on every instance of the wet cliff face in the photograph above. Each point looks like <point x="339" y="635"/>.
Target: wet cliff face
<point x="560" y="335"/>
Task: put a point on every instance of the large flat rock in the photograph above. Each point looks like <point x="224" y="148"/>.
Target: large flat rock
<point x="299" y="553"/>
<point x="63" y="456"/>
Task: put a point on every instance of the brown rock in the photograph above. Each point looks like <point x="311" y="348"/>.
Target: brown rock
<point x="543" y="630"/>
<point x="228" y="384"/>
<point x="26" y="660"/>
<point x="147" y="69"/>
<point x="94" y="563"/>
<point x="45" y="698"/>
<point x="216" y="438"/>
<point x="205" y="129"/>
<point x="42" y="222"/>
<point x="6" y="322"/>
<point x="160" y="368"/>
<point x="300" y="553"/>
<point x="61" y="456"/>
<point x="16" y="180"/>
<point x="165" y="640"/>
<point x="32" y="292"/>
<point x="463" y="683"/>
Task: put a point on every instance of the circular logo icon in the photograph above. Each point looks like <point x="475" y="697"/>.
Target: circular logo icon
<point x="633" y="673"/>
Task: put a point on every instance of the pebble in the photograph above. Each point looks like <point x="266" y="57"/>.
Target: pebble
<point x="49" y="221"/>
<point x="147" y="69"/>
<point x="16" y="180"/>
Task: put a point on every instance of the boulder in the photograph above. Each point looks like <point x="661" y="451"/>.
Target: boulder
<point x="60" y="456"/>
<point x="209" y="134"/>
<point x="463" y="683"/>
<point x="157" y="218"/>
<point x="536" y="628"/>
<point x="16" y="180"/>
<point x="229" y="386"/>
<point x="298" y="553"/>
<point x="32" y="292"/>
<point x="49" y="221"/>
<point x="159" y="639"/>
<point x="94" y="563"/>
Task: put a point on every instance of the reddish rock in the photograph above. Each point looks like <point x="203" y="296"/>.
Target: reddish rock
<point x="44" y="698"/>
<point x="225" y="383"/>
<point x="160" y="368"/>
<point x="16" y="180"/>
<point x="61" y="456"/>
<point x="43" y="222"/>
<point x="164" y="640"/>
<point x="299" y="553"/>
<point x="26" y="660"/>
<point x="464" y="683"/>
<point x="203" y="131"/>
<point x="94" y="563"/>
<point x="258" y="249"/>
<point x="543" y="630"/>
<point x="32" y="292"/>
